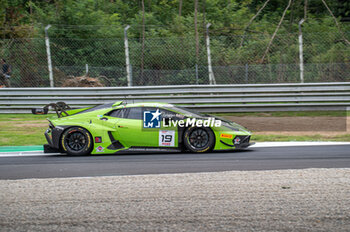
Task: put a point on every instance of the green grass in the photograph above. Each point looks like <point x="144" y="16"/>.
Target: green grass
<point x="283" y="138"/>
<point x="21" y="117"/>
<point x="28" y="129"/>
<point x="22" y="129"/>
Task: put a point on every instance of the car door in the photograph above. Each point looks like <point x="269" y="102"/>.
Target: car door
<point x="166" y="135"/>
<point x="130" y="130"/>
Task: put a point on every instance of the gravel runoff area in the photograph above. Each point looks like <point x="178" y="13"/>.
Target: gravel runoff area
<point x="282" y="200"/>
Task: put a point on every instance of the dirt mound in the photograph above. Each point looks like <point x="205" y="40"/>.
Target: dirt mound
<point x="83" y="81"/>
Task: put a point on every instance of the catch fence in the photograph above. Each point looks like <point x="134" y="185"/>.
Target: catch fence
<point x="174" y="60"/>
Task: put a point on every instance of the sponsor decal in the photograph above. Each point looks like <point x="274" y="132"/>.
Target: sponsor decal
<point x="98" y="139"/>
<point x="226" y="136"/>
<point x="99" y="149"/>
<point x="192" y="122"/>
<point x="166" y="138"/>
<point x="151" y="119"/>
<point x="237" y="140"/>
<point x="155" y="119"/>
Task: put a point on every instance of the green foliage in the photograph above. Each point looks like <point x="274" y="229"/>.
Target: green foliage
<point x="28" y="129"/>
<point x="91" y="32"/>
<point x="224" y="15"/>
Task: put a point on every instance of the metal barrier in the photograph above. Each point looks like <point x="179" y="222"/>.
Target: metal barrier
<point x="205" y="98"/>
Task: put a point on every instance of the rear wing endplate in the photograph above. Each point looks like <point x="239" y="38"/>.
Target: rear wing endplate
<point x="59" y="107"/>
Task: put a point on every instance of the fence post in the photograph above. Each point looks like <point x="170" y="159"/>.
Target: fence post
<point x="49" y="63"/>
<point x="196" y="74"/>
<point x="246" y="73"/>
<point x="86" y="69"/>
<point x="210" y="69"/>
<point x="301" y="57"/>
<point x="127" y="59"/>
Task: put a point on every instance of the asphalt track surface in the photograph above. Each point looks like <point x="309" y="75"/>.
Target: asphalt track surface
<point x="254" y="158"/>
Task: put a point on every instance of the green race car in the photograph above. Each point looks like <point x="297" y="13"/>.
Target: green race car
<point x="139" y="127"/>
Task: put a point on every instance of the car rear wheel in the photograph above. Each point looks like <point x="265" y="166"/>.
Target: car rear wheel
<point x="199" y="139"/>
<point x="77" y="141"/>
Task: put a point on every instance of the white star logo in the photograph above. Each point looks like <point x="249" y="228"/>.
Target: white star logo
<point x="156" y="115"/>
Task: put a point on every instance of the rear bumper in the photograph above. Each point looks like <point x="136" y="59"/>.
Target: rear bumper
<point x="53" y="136"/>
<point x="48" y="136"/>
<point x="50" y="148"/>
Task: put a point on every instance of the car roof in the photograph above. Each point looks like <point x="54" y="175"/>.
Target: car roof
<point x="109" y="106"/>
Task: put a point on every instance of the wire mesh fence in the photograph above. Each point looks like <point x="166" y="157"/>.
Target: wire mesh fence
<point x="237" y="59"/>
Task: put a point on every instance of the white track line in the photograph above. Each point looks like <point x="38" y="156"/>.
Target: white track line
<point x="261" y="144"/>
<point x="26" y="153"/>
<point x="293" y="144"/>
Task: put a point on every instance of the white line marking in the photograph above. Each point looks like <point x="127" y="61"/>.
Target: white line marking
<point x="293" y="144"/>
<point x="26" y="153"/>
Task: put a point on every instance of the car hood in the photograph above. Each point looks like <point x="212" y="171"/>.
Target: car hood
<point x="230" y="124"/>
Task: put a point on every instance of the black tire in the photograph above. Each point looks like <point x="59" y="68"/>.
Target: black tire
<point x="76" y="141"/>
<point x="199" y="139"/>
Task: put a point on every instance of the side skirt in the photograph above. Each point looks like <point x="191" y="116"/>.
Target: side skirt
<point x="149" y="149"/>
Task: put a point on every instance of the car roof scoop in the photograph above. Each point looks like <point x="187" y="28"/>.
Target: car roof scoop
<point x="117" y="103"/>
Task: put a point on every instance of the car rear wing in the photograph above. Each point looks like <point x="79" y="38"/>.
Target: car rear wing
<point x="63" y="110"/>
<point x="60" y="108"/>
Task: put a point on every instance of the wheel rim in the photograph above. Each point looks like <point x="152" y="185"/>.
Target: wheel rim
<point x="76" y="141"/>
<point x="199" y="138"/>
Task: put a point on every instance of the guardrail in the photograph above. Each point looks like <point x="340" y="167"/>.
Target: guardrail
<point x="205" y="98"/>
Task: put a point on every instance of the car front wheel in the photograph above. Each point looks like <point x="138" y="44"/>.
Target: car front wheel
<point x="199" y="139"/>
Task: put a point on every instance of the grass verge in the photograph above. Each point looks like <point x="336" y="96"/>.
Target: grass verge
<point x="28" y="129"/>
<point x="22" y="129"/>
<point x="315" y="137"/>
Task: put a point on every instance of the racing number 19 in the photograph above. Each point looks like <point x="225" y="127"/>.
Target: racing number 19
<point x="167" y="138"/>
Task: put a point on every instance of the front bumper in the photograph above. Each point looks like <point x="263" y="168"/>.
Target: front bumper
<point x="239" y="142"/>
